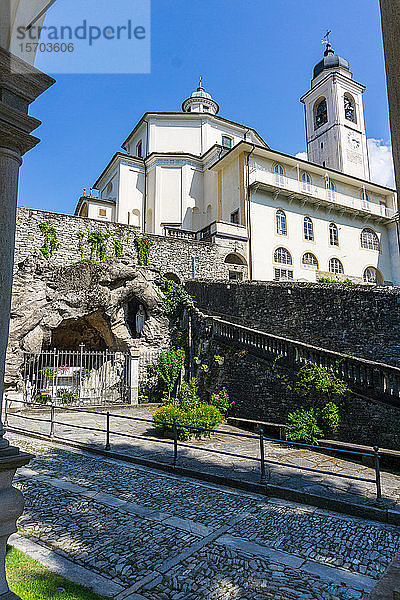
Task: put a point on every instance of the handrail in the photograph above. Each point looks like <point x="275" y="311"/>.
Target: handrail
<point x="176" y="426"/>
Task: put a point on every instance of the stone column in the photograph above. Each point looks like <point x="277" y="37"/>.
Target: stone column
<point x="20" y="85"/>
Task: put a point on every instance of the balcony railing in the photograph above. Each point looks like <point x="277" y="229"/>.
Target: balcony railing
<point x="291" y="186"/>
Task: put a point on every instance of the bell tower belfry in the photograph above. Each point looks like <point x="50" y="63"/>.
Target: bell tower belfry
<point x="335" y="127"/>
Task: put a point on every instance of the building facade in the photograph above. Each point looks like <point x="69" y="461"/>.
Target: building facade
<point x="197" y="175"/>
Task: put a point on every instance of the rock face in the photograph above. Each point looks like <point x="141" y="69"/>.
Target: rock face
<point x="93" y="303"/>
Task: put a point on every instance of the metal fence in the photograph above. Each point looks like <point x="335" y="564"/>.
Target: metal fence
<point x="82" y="377"/>
<point x="107" y="432"/>
<point x="372" y="379"/>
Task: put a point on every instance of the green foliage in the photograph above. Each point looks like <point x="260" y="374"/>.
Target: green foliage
<point x="332" y="280"/>
<point x="222" y="401"/>
<point x="175" y="298"/>
<point x="331" y="417"/>
<point x="118" y="247"/>
<point x="314" y="382"/>
<point x="98" y="244"/>
<point x="66" y="396"/>
<point x="49" y="374"/>
<point x="203" y="416"/>
<point x="168" y="367"/>
<point x="143" y="246"/>
<point x="50" y="243"/>
<point x="81" y="237"/>
<point x="43" y="397"/>
<point x="81" y="375"/>
<point x="188" y="396"/>
<point x="302" y="426"/>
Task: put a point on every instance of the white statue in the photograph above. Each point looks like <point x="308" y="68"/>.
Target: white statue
<point x="140" y="319"/>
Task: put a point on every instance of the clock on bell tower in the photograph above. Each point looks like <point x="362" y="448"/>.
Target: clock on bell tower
<point x="334" y="113"/>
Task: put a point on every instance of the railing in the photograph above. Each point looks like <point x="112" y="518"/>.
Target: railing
<point x="76" y="377"/>
<point x="107" y="432"/>
<point x="181" y="234"/>
<point x="372" y="379"/>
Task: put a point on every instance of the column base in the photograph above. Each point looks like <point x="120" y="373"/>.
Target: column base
<point x="9" y="596"/>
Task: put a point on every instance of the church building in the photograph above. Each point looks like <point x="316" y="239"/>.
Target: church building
<point x="194" y="174"/>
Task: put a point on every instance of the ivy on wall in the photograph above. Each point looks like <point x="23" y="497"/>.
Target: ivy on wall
<point x="143" y="246"/>
<point x="50" y="242"/>
<point x="95" y="243"/>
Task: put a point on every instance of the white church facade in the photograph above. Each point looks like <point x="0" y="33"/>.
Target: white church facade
<point x="195" y="174"/>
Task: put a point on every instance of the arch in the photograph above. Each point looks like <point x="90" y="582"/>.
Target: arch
<point x="135" y="218"/>
<point x="309" y="261"/>
<point x="172" y="277"/>
<point x="373" y="275"/>
<point x="349" y="108"/>
<point x="320" y="113"/>
<point x="209" y="214"/>
<point x="365" y="202"/>
<point x="308" y="229"/>
<point x="281" y="222"/>
<point x="330" y="189"/>
<point x="333" y="235"/>
<point x="335" y="266"/>
<point x="235" y="259"/>
<point x="306" y="182"/>
<point x="279" y="172"/>
<point x="282" y="256"/>
<point x="369" y="239"/>
<point x="84" y="212"/>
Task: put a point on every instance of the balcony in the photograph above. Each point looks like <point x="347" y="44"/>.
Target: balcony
<point x="321" y="196"/>
<point x="207" y="234"/>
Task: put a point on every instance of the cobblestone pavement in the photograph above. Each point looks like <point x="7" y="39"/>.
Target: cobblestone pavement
<point x="146" y="443"/>
<point x="156" y="536"/>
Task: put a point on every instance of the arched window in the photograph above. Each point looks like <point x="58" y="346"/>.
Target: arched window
<point x="281" y="227"/>
<point x="308" y="229"/>
<point x="330" y="190"/>
<point x="335" y="266"/>
<point x="309" y="261"/>
<point x="369" y="239"/>
<point x="349" y="108"/>
<point x="365" y="201"/>
<point x="321" y="113"/>
<point x="333" y="235"/>
<point x="282" y="256"/>
<point x="172" y="277"/>
<point x="208" y="213"/>
<point x="279" y="175"/>
<point x="135" y="218"/>
<point x="305" y="182"/>
<point x="235" y="259"/>
<point x="372" y="275"/>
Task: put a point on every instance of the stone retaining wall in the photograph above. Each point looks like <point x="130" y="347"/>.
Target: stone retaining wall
<point x="360" y="320"/>
<point x="184" y="258"/>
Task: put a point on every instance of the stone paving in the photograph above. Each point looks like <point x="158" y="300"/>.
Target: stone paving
<point x="155" y="536"/>
<point x="146" y="443"/>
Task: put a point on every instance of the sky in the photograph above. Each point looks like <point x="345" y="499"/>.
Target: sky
<point x="256" y="58"/>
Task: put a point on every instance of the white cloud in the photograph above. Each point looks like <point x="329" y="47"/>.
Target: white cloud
<point x="381" y="162"/>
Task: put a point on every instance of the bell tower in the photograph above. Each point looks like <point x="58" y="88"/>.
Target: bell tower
<point x="335" y="127"/>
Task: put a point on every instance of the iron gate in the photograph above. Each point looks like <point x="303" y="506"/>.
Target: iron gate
<point x="76" y="377"/>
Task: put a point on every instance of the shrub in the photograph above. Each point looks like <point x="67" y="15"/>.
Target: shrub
<point x="175" y="298"/>
<point x="303" y="426"/>
<point x="221" y="401"/>
<point x="168" y="367"/>
<point x="331" y="417"/>
<point x="188" y="397"/>
<point x="315" y="382"/>
<point x="203" y="415"/>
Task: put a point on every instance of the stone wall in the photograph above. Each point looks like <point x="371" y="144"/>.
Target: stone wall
<point x="360" y="320"/>
<point x="184" y="258"/>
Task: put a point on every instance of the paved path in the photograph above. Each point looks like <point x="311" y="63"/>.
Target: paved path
<point x="140" y="534"/>
<point x="145" y="443"/>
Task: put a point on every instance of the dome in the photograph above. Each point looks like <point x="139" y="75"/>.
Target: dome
<point x="330" y="61"/>
<point x="200" y="102"/>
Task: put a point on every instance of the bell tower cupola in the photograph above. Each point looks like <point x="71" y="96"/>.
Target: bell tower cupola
<point x="334" y="113"/>
<point x="200" y="102"/>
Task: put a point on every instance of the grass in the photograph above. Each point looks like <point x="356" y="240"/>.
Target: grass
<point x="32" y="581"/>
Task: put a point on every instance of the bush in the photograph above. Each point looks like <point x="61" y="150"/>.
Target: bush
<point x="168" y="367"/>
<point x="204" y="415"/>
<point x="188" y="397"/>
<point x="331" y="417"/>
<point x="303" y="426"/>
<point x="221" y="401"/>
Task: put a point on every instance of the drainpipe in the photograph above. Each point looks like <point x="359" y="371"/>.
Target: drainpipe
<point x="144" y="220"/>
<point x="249" y="215"/>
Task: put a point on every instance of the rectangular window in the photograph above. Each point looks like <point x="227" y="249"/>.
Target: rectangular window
<point x="235" y="217"/>
<point x="235" y="276"/>
<point x="139" y="149"/>
<point x="227" y="141"/>
<point x="102" y="212"/>
<point x="283" y="275"/>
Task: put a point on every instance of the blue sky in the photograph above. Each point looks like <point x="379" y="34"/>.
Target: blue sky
<point x="256" y="57"/>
